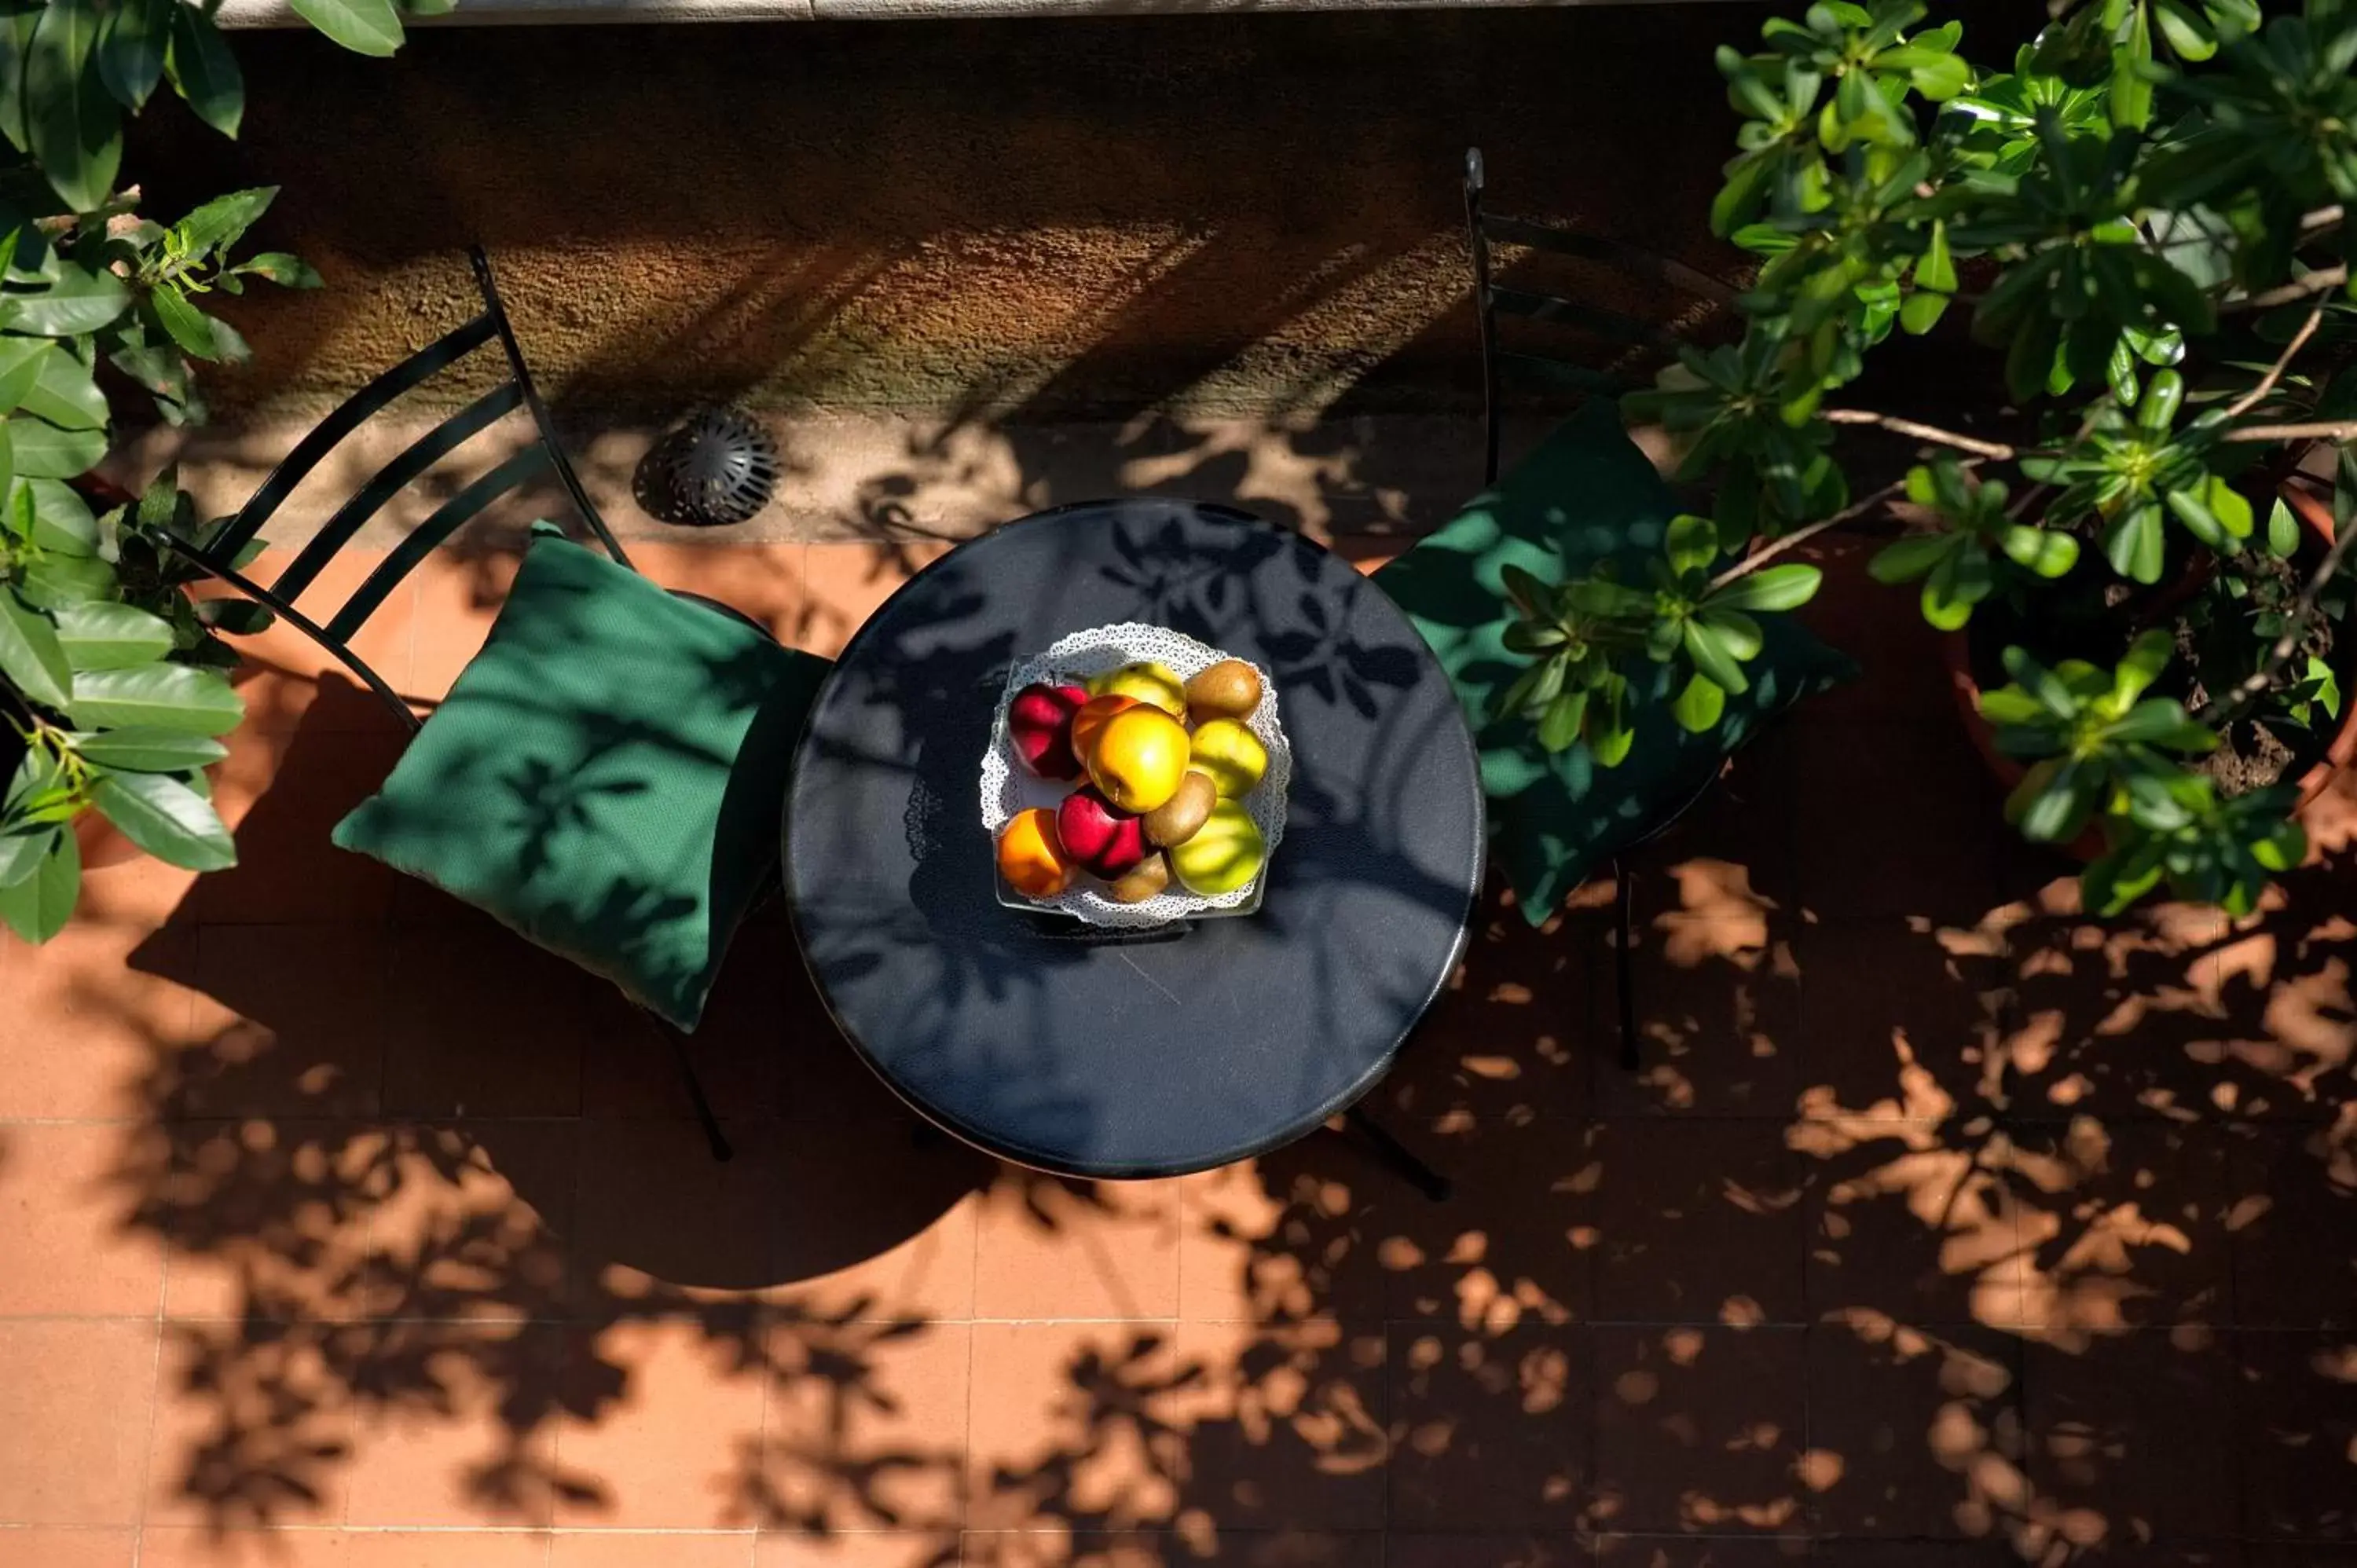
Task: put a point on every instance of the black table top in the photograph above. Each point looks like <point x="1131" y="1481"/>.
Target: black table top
<point x="1037" y="1037"/>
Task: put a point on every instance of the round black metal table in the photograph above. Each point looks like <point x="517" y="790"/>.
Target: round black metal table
<point x="1088" y="1053"/>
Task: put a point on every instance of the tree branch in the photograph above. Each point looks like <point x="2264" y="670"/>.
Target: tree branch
<point x="2329" y="430"/>
<point x="2218" y="709"/>
<point x="1995" y="450"/>
<point x="2258" y="394"/>
<point x="1775" y="547"/>
<point x="2314" y="282"/>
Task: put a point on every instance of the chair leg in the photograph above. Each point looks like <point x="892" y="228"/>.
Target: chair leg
<point x="678" y="1042"/>
<point x="1623" y="964"/>
<point x="1396" y="1155"/>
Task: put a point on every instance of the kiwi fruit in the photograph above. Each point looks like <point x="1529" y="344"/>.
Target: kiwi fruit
<point x="1141" y="882"/>
<point x="1228" y="690"/>
<point x="1176" y="820"/>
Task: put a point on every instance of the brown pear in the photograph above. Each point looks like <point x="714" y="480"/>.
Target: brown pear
<point x="1228" y="690"/>
<point x="1144" y="879"/>
<point x="1175" y="821"/>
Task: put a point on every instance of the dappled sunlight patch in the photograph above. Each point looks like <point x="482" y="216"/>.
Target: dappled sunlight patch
<point x="1720" y="891"/>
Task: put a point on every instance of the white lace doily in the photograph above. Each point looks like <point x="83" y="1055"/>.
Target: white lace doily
<point x="1008" y="787"/>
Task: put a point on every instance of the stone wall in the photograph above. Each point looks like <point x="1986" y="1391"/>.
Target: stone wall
<point x="1034" y="220"/>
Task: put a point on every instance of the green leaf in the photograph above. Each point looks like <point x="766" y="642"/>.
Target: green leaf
<point x="2193" y="511"/>
<point x="2131" y="101"/>
<point x="166" y="819"/>
<point x="64" y="393"/>
<point x="2044" y="552"/>
<point x="1691" y="543"/>
<point x="219" y="224"/>
<point x="52" y="581"/>
<point x="363" y="27"/>
<point x="1922" y="310"/>
<point x="1905" y="559"/>
<point x="1520" y="697"/>
<point x="1700" y="704"/>
<point x="2188" y="31"/>
<point x="160" y="696"/>
<point x="74" y="128"/>
<point x="41" y="450"/>
<point x="2118" y="879"/>
<point x="2327" y="685"/>
<point x="130" y="50"/>
<point x="21" y="853"/>
<point x="1526" y="593"/>
<point x="2133" y="544"/>
<point x="187" y="323"/>
<point x="288" y="272"/>
<point x="16" y="41"/>
<point x="1960" y="581"/>
<point x="37" y="907"/>
<point x="2141" y="665"/>
<point x="1608" y="731"/>
<point x="1712" y="657"/>
<point x="150" y="750"/>
<point x="203" y="71"/>
<point x="30" y="654"/>
<point x="1775" y="588"/>
<point x="2054" y="799"/>
<point x="2227" y="505"/>
<point x="79" y="301"/>
<point x="1936" y="269"/>
<point x="1559" y="726"/>
<point x="108" y="635"/>
<point x="20" y="368"/>
<point x="1524" y="637"/>
<point x="2161" y="721"/>
<point x="61" y="519"/>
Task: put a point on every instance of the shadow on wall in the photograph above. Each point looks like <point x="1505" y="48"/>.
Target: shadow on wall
<point x="1083" y="217"/>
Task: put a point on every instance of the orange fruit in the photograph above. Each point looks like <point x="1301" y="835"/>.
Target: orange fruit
<point x="1031" y="857"/>
<point x="1139" y="758"/>
<point x="1093" y="717"/>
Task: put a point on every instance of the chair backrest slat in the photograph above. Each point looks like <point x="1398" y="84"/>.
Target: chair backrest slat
<point x="1570" y="313"/>
<point x="445" y="520"/>
<point x="430" y="360"/>
<point x="218" y="552"/>
<point x="390" y="480"/>
<point x="1490" y="300"/>
<point x="1565" y="373"/>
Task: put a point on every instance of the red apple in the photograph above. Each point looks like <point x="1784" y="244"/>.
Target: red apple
<point x="1107" y="841"/>
<point x="1040" y="723"/>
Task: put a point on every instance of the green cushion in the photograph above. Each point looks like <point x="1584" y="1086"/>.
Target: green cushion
<point x="606" y="777"/>
<point x="1586" y="493"/>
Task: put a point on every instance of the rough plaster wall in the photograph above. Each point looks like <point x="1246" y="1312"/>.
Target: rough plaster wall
<point x="1026" y="221"/>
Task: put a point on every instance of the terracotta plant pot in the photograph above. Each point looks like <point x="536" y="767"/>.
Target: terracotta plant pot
<point x="1957" y="648"/>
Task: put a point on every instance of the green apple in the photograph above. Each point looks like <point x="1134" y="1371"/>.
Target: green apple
<point x="1225" y="854"/>
<point x="1231" y="755"/>
<point x="1155" y="685"/>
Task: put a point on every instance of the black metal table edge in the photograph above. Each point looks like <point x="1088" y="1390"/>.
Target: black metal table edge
<point x="1344" y="1102"/>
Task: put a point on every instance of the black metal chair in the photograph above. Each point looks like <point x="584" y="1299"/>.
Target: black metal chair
<point x="216" y="550"/>
<point x="1562" y="372"/>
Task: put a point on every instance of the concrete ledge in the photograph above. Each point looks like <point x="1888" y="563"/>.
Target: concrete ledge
<point x="279" y="14"/>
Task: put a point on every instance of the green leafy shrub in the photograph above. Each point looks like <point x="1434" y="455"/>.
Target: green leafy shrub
<point x="2141" y="225"/>
<point x="112" y="688"/>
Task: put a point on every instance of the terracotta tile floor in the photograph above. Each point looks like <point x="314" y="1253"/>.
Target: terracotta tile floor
<point x="1938" y="1226"/>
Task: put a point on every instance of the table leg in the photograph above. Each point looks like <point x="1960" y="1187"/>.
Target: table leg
<point x="1396" y="1155"/>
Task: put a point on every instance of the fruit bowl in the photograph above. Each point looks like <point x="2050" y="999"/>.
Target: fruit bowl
<point x="1010" y="787"/>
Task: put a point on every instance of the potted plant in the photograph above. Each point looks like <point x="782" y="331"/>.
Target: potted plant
<point x="2136" y="535"/>
<point x="112" y="692"/>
